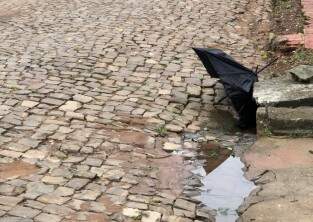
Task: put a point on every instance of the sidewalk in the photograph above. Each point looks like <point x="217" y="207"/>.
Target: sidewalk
<point x="283" y="171"/>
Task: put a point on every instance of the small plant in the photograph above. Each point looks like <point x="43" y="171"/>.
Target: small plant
<point x="267" y="131"/>
<point x="161" y="130"/>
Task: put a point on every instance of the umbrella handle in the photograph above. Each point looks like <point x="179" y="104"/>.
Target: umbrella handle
<point x="220" y="100"/>
<point x="267" y="65"/>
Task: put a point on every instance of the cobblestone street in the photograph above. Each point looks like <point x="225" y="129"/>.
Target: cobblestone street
<point x="86" y="89"/>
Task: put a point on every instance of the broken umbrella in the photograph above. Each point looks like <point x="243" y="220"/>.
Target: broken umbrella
<point x="237" y="80"/>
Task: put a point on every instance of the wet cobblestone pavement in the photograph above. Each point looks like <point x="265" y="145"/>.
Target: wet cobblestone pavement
<point x="87" y="86"/>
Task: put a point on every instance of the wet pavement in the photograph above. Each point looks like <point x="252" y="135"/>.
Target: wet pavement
<point x="86" y="90"/>
<point x="282" y="168"/>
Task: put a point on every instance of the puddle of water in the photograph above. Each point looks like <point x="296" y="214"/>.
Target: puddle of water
<point x="214" y="155"/>
<point x="225" y="188"/>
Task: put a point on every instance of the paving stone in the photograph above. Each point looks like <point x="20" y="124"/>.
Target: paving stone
<point x="74" y="159"/>
<point x="139" y="198"/>
<point x="52" y="199"/>
<point x="62" y="172"/>
<point x="77" y="183"/>
<point x="43" y="217"/>
<point x="29" y="104"/>
<point x="35" y="189"/>
<point x="117" y="191"/>
<point x="10" y="201"/>
<point x="151" y="216"/>
<point x="74" y="115"/>
<point x="114" y="175"/>
<point x="70" y="147"/>
<point x="178" y="219"/>
<point x="70" y="106"/>
<point x="85" y="174"/>
<point x="52" y="101"/>
<point x="53" y="180"/>
<point x="82" y="98"/>
<point x="173" y="128"/>
<point x="35" y="154"/>
<point x="184" y="213"/>
<point x="194" y="90"/>
<point x="93" y="162"/>
<point x="136" y="205"/>
<point x="6" y="189"/>
<point x="186" y="205"/>
<point x="58" y="210"/>
<point x="171" y="146"/>
<point x="97" y="207"/>
<point x="24" y="212"/>
<point x="132" y="213"/>
<point x="14" y="219"/>
<point x="34" y="204"/>
<point x="64" y="191"/>
<point x="180" y="97"/>
<point x="10" y="153"/>
<point x="87" y="195"/>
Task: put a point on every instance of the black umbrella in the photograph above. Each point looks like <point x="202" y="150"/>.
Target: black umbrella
<point x="237" y="80"/>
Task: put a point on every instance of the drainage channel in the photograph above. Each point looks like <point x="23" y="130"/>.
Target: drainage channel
<point x="218" y="165"/>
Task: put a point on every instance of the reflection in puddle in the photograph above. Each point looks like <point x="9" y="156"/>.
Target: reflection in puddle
<point x="214" y="155"/>
<point x="225" y="188"/>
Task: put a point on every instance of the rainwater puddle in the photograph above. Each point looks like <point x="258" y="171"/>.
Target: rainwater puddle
<point x="224" y="185"/>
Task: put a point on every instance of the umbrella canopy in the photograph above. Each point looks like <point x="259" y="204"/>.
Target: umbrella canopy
<point x="238" y="82"/>
<point x="222" y="66"/>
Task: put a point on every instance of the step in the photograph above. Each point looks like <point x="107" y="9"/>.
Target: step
<point x="285" y="121"/>
<point x="285" y="107"/>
